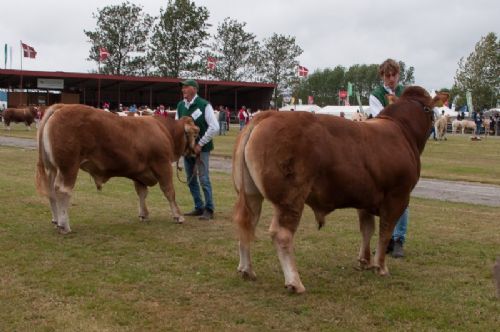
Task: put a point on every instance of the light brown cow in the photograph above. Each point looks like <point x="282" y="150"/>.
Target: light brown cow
<point x="469" y="124"/>
<point x="73" y="137"/>
<point x="328" y="163"/>
<point x="441" y="125"/>
<point x="17" y="115"/>
<point x="358" y="117"/>
<point x="456" y="126"/>
<point x="486" y="125"/>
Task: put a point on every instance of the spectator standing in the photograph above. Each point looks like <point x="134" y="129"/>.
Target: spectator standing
<point x="242" y="116"/>
<point x="222" y="121"/>
<point x="204" y="117"/>
<point x="228" y="117"/>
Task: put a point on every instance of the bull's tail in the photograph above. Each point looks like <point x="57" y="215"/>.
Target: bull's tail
<point x="41" y="178"/>
<point x="249" y="202"/>
<point x="242" y="215"/>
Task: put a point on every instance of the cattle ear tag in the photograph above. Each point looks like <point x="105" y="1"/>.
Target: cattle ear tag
<point x="196" y="114"/>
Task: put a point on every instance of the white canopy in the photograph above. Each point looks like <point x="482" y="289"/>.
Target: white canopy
<point x="301" y="108"/>
<point x="348" y="111"/>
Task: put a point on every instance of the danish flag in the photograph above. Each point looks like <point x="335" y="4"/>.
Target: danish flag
<point x="211" y="63"/>
<point x="303" y="71"/>
<point x="28" y="51"/>
<point x="103" y="54"/>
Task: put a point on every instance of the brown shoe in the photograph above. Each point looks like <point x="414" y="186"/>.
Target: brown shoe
<point x="390" y="246"/>
<point x="207" y="215"/>
<point x="195" y="212"/>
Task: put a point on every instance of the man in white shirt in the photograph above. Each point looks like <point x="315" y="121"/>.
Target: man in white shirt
<point x="204" y="117"/>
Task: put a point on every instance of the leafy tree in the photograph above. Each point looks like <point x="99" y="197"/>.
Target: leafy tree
<point x="406" y="76"/>
<point x="364" y="79"/>
<point x="235" y="50"/>
<point x="480" y="73"/>
<point x="122" y="30"/>
<point x="278" y="62"/>
<point x="178" y="38"/>
<point x="324" y="85"/>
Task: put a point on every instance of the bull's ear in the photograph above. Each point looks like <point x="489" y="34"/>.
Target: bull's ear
<point x="438" y="100"/>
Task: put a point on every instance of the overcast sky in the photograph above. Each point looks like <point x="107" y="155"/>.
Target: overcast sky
<point x="430" y="35"/>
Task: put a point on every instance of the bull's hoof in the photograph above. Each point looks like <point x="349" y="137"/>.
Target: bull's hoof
<point x="248" y="275"/>
<point x="295" y="289"/>
<point x="143" y="218"/>
<point x="381" y="271"/>
<point x="63" y="230"/>
<point x="179" y="220"/>
<point x="365" y="265"/>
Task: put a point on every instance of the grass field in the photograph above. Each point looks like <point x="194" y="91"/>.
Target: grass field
<point x="116" y="274"/>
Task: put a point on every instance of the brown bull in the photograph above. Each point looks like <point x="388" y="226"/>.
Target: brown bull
<point x="328" y="163"/>
<point x="17" y="115"/>
<point x="73" y="137"/>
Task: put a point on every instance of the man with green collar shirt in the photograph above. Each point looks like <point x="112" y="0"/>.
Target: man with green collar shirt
<point x="204" y="117"/>
<point x="387" y="93"/>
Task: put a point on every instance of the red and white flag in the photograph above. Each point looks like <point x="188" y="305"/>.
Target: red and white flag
<point x="211" y="63"/>
<point x="303" y="71"/>
<point x="28" y="51"/>
<point x="103" y="54"/>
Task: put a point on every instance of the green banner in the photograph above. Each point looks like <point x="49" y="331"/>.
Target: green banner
<point x="349" y="89"/>
<point x="468" y="95"/>
<point x="358" y="98"/>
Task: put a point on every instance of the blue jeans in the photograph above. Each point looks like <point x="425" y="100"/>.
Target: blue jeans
<point x="399" y="232"/>
<point x="191" y="166"/>
<point x="242" y="124"/>
<point x="478" y="127"/>
<point x="222" y="127"/>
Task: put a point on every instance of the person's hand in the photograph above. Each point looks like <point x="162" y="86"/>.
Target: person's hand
<point x="197" y="149"/>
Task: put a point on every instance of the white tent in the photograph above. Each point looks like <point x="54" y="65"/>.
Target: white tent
<point x="348" y="111"/>
<point x="301" y="108"/>
<point x="447" y="111"/>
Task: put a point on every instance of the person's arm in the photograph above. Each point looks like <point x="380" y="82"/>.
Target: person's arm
<point x="213" y="126"/>
<point x="375" y="106"/>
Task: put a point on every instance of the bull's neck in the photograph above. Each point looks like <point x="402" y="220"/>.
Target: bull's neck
<point x="178" y="136"/>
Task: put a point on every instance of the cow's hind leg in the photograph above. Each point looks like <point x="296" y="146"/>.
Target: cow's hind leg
<point x="246" y="216"/>
<point x="63" y="187"/>
<point x="142" y="192"/>
<point x="282" y="229"/>
<point x="51" y="174"/>
<point x="367" y="228"/>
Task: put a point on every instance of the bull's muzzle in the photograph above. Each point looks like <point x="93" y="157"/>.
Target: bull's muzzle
<point x="191" y="132"/>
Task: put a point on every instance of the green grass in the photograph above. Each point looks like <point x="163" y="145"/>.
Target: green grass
<point x="18" y="130"/>
<point x="459" y="158"/>
<point x="114" y="273"/>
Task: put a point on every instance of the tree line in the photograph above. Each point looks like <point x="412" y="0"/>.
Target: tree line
<point x="177" y="43"/>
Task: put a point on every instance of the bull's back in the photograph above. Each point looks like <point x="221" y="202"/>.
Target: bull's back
<point x="104" y="141"/>
<point x="329" y="160"/>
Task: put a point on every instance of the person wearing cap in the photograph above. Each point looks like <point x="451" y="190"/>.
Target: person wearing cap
<point x="204" y="117"/>
<point x="382" y="96"/>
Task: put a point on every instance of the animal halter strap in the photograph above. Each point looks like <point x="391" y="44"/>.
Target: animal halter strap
<point x="196" y="170"/>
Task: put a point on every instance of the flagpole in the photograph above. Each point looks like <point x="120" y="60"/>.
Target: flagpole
<point x="21" y="45"/>
<point x="21" y="79"/>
